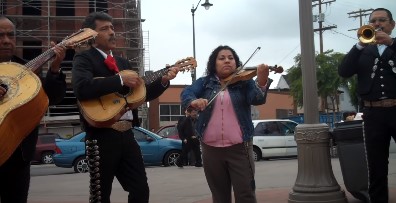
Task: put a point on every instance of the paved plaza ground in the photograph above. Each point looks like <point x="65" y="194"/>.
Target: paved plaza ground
<point x="274" y="180"/>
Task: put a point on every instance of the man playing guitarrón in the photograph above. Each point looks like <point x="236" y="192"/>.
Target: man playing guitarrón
<point x="15" y="172"/>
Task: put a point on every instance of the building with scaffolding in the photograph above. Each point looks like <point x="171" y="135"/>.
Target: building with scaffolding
<point x="40" y="21"/>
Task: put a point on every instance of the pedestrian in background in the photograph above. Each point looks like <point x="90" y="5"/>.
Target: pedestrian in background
<point x="187" y="134"/>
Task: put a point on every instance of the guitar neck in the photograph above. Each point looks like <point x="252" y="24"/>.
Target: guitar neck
<point x="151" y="77"/>
<point x="40" y="60"/>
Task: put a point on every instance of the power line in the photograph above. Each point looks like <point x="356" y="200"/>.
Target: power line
<point x="289" y="53"/>
<point x="359" y="14"/>
<point x="343" y="34"/>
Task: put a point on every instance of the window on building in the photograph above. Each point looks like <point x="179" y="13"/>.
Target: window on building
<point x="67" y="107"/>
<point x="65" y="8"/>
<point x="169" y="113"/>
<point x="30" y="50"/>
<point x="98" y="6"/>
<point x="31" y="7"/>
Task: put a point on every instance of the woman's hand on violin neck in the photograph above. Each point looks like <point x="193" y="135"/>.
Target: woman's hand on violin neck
<point x="199" y="104"/>
<point x="262" y="74"/>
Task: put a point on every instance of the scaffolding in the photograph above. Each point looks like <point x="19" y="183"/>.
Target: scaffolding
<point x="146" y="54"/>
<point x="40" y="21"/>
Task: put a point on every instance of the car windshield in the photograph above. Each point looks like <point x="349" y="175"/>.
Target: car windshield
<point x="168" y="131"/>
<point x="70" y="137"/>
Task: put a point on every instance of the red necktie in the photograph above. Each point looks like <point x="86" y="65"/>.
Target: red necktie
<point x="111" y="63"/>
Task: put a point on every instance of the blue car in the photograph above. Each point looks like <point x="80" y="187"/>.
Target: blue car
<point x="71" y="153"/>
<point x="156" y="150"/>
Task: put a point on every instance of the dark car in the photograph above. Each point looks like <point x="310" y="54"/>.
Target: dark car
<point x="45" y="148"/>
<point x="156" y="150"/>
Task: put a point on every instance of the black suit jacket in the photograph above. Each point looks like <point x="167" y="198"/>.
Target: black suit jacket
<point x="55" y="88"/>
<point x="361" y="62"/>
<point x="186" y="128"/>
<point x="89" y="64"/>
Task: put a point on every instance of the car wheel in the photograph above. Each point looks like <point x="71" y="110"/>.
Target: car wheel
<point x="81" y="165"/>
<point x="46" y="158"/>
<point x="256" y="154"/>
<point x="171" y="157"/>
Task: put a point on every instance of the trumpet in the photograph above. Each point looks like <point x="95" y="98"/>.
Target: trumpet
<point x="366" y="34"/>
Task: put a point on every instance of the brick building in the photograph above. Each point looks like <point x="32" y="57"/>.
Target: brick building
<point x="40" y="21"/>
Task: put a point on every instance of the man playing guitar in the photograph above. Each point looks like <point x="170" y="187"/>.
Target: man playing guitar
<point x="15" y="172"/>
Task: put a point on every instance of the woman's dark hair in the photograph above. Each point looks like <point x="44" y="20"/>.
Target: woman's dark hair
<point x="211" y="66"/>
<point x="89" y="21"/>
<point x="383" y="9"/>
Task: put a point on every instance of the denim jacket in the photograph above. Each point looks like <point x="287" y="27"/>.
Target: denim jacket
<point x="243" y="94"/>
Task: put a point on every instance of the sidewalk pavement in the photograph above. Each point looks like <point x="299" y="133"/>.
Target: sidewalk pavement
<point x="281" y="195"/>
<point x="274" y="181"/>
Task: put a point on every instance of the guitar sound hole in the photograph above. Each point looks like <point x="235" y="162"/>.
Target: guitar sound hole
<point x="4" y="86"/>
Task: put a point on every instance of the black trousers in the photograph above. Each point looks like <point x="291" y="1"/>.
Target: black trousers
<point x="111" y="153"/>
<point x="15" y="179"/>
<point x="194" y="145"/>
<point x="379" y="127"/>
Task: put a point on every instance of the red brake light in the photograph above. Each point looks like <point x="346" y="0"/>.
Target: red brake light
<point x="58" y="150"/>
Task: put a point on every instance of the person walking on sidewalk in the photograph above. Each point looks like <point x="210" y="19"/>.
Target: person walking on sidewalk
<point x="375" y="66"/>
<point x="189" y="138"/>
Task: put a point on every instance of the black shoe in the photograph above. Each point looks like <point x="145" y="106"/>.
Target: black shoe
<point x="198" y="165"/>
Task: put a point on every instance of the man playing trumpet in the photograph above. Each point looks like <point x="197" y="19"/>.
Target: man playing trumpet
<point x="373" y="61"/>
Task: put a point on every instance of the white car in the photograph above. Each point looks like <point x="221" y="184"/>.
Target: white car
<point x="274" y="138"/>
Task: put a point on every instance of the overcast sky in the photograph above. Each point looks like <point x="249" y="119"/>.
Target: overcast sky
<point x="245" y="25"/>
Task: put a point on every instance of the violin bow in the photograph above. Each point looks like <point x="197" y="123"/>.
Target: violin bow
<point x="233" y="76"/>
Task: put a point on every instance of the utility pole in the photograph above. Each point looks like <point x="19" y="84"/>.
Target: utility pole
<point x="359" y="14"/>
<point x="321" y="18"/>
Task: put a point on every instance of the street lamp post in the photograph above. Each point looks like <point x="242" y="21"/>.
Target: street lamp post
<point x="315" y="180"/>
<point x="207" y="5"/>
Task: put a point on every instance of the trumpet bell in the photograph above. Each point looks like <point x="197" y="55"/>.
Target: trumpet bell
<point x="366" y="34"/>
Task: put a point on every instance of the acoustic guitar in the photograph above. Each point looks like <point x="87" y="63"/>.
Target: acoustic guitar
<point x="106" y="110"/>
<point x="25" y="102"/>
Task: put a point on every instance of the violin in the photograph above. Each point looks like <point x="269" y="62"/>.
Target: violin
<point x="247" y="74"/>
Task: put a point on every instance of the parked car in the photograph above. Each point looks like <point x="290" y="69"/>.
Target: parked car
<point x="274" y="138"/>
<point x="71" y="153"/>
<point x="156" y="150"/>
<point x="45" y="148"/>
<point x="169" y="131"/>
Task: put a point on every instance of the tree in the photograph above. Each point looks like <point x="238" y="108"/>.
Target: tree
<point x="328" y="80"/>
<point x="294" y="75"/>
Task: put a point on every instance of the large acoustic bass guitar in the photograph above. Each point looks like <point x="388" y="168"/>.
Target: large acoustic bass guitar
<point x="25" y="102"/>
<point x="106" y="110"/>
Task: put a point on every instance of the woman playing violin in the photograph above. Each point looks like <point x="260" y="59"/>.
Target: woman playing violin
<point x="225" y="126"/>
